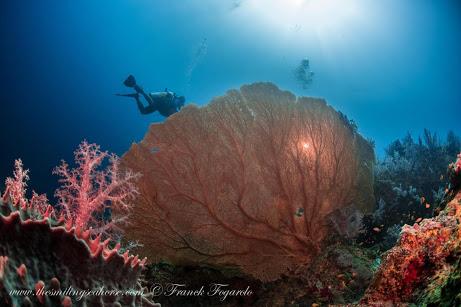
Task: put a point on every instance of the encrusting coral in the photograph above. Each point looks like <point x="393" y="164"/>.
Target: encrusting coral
<point x="47" y="260"/>
<point x="425" y="258"/>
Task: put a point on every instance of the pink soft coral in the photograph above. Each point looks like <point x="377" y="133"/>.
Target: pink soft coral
<point x="86" y="192"/>
<point x="15" y="192"/>
<point x="16" y="186"/>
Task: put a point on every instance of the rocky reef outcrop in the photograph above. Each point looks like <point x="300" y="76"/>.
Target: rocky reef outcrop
<point x="44" y="262"/>
<point x="338" y="276"/>
<point x="424" y="266"/>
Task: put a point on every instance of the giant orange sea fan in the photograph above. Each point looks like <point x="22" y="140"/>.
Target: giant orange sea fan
<point x="247" y="180"/>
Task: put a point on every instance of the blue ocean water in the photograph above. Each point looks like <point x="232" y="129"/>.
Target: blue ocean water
<point x="392" y="66"/>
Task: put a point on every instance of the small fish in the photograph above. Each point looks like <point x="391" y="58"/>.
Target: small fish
<point x="419" y="219"/>
<point x="377" y="229"/>
<point x="428" y="206"/>
<point x="299" y="212"/>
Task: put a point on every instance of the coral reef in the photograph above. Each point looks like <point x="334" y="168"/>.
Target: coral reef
<point x="37" y="252"/>
<point x="404" y="192"/>
<point x="46" y="259"/>
<point x="444" y="288"/>
<point x="454" y="173"/>
<point x="425" y="262"/>
<point x="247" y="181"/>
<point x="338" y="276"/>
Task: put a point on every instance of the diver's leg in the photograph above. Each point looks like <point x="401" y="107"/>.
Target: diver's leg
<point x="146" y="97"/>
<point x="145" y="109"/>
<point x="141" y="107"/>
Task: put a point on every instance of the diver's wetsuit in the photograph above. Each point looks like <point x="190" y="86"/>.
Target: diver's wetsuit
<point x="166" y="103"/>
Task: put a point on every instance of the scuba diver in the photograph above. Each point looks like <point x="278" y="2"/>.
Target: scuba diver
<point x="166" y="103"/>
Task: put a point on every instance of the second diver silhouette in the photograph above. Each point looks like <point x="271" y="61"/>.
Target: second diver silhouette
<point x="166" y="103"/>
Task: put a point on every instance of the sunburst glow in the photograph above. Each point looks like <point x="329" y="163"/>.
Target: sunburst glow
<point x="322" y="16"/>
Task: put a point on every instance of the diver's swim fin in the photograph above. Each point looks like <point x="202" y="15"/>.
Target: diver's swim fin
<point x="134" y="95"/>
<point x="130" y="81"/>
